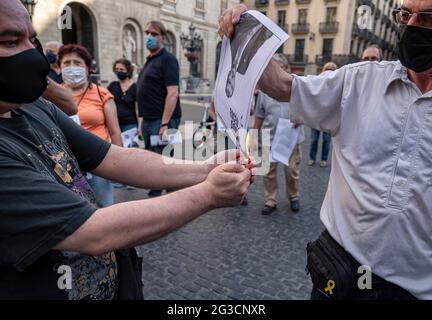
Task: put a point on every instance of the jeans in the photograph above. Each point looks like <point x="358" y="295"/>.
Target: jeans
<point x="151" y="128"/>
<point x="103" y="190"/>
<point x="325" y="146"/>
<point x="127" y="127"/>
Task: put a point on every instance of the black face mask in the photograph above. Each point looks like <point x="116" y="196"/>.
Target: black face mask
<point x="122" y="75"/>
<point x="415" y="48"/>
<point x="23" y="77"/>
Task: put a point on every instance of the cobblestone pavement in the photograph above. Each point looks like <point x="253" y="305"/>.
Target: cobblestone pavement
<point x="237" y="253"/>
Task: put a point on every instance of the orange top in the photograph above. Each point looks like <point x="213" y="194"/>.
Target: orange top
<point x="91" y="111"/>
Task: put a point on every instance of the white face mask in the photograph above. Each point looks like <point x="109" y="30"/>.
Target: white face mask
<point x="74" y="76"/>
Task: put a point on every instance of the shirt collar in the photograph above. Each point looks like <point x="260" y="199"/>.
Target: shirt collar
<point x="157" y="54"/>
<point x="399" y="73"/>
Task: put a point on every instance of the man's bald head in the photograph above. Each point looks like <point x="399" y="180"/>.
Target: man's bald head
<point x="13" y="8"/>
<point x="372" y="53"/>
<point x="53" y="46"/>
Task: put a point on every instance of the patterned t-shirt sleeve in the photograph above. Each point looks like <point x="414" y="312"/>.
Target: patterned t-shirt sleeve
<point x="36" y="212"/>
<point x="88" y="149"/>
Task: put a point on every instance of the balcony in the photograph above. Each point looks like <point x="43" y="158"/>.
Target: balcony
<point x="284" y="27"/>
<point x="300" y="28"/>
<point x="387" y="21"/>
<point x="303" y="1"/>
<point x="261" y="3"/>
<point x="282" y="2"/>
<point x="329" y="27"/>
<point x="298" y="59"/>
<point x="339" y="59"/>
<point x="377" y="13"/>
<point x="322" y="60"/>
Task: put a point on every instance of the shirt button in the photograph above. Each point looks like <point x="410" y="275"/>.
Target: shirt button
<point x="400" y="183"/>
<point x="404" y="156"/>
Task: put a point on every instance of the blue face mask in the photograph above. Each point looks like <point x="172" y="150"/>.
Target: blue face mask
<point x="52" y="57"/>
<point x="151" y="42"/>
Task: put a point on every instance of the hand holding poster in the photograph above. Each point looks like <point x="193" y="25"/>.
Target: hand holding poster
<point x="243" y="61"/>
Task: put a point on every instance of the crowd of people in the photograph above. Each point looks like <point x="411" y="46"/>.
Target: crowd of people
<point x="61" y="153"/>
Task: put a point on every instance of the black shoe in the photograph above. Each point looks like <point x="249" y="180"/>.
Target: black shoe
<point x="268" y="210"/>
<point x="245" y="202"/>
<point x="295" y="206"/>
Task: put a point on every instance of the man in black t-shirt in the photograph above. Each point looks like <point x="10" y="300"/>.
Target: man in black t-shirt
<point x="54" y="242"/>
<point x="158" y="90"/>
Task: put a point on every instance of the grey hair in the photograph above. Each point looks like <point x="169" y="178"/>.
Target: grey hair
<point x="281" y="58"/>
<point x="56" y="44"/>
<point x="375" y="46"/>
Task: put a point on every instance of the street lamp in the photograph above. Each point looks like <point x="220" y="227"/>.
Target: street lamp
<point x="29" y="5"/>
<point x="192" y="44"/>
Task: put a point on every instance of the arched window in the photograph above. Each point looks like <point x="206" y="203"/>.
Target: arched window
<point x="84" y="29"/>
<point x="170" y="43"/>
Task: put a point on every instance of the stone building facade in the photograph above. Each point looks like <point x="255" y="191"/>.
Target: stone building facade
<point x="331" y="30"/>
<point x="112" y="29"/>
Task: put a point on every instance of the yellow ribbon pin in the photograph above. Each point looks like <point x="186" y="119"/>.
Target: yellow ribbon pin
<point x="331" y="285"/>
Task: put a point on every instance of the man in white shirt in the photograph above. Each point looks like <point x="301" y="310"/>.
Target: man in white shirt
<point x="267" y="115"/>
<point x="378" y="206"/>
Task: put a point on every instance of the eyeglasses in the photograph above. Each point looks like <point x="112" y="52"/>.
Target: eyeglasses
<point x="423" y="19"/>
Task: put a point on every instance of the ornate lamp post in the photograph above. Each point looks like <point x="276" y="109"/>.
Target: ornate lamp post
<point x="192" y="44"/>
<point x="29" y="5"/>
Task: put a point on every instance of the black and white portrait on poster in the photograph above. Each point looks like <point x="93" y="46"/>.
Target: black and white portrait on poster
<point x="243" y="60"/>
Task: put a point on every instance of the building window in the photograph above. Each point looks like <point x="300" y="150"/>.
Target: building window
<point x="299" y="49"/>
<point x="282" y="18"/>
<point x="170" y="43"/>
<point x="331" y="14"/>
<point x="302" y="18"/>
<point x="327" y="48"/>
<point x="224" y="6"/>
<point x="200" y="5"/>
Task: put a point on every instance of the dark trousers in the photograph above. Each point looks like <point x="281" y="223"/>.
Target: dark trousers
<point x="329" y="262"/>
<point x="151" y="128"/>
<point x="315" y="136"/>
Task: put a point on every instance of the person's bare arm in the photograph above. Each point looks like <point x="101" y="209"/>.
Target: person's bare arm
<point x="135" y="223"/>
<point x="61" y="97"/>
<point x="112" y="123"/>
<point x="138" y="119"/>
<point x="275" y="82"/>
<point x="258" y="123"/>
<point x="212" y="112"/>
<point x="170" y="105"/>
<point x="148" y="170"/>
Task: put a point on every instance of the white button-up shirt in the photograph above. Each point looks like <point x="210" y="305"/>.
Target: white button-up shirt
<point x="379" y="201"/>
